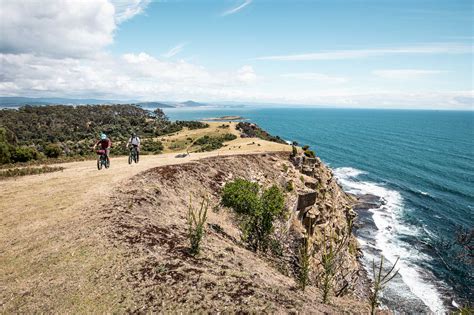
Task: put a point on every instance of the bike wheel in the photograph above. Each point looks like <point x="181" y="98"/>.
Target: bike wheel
<point x="135" y="157"/>
<point x="130" y="158"/>
<point x="107" y="162"/>
<point x="99" y="164"/>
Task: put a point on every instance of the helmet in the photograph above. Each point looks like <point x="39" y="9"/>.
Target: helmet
<point x="103" y="136"/>
<point x="134" y="134"/>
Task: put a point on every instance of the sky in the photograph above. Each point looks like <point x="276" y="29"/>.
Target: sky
<point x="409" y="54"/>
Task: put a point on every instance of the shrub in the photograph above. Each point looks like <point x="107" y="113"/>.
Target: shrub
<point x="208" y="143"/>
<point x="196" y="222"/>
<point x="304" y="259"/>
<point x="309" y="153"/>
<point x="152" y="146"/>
<point x="52" y="150"/>
<point x="379" y="282"/>
<point x="228" y="137"/>
<point x="25" y="154"/>
<point x="305" y="147"/>
<point x="240" y="195"/>
<point x="294" y="151"/>
<point x="259" y="212"/>
<point x="5" y="154"/>
<point x="331" y="261"/>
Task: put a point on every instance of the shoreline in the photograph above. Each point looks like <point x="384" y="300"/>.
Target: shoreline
<point x="413" y="289"/>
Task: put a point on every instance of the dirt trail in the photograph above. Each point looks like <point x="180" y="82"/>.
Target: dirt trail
<point x="48" y="233"/>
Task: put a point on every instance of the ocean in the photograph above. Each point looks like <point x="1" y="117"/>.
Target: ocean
<point x="420" y="162"/>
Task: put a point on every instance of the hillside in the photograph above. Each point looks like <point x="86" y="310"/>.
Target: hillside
<point x="83" y="240"/>
<point x="120" y="244"/>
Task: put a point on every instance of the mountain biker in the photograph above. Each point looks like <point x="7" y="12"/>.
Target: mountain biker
<point x="134" y="142"/>
<point x="105" y="144"/>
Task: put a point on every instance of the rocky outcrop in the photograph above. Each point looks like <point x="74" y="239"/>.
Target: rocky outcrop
<point x="146" y="219"/>
<point x="323" y="211"/>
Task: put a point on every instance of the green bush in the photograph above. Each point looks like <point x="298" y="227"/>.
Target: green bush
<point x="309" y="153"/>
<point x="305" y="147"/>
<point x="258" y="212"/>
<point x="228" y="137"/>
<point x="240" y="195"/>
<point x="152" y="146"/>
<point x="5" y="154"/>
<point x="25" y="154"/>
<point x="53" y="150"/>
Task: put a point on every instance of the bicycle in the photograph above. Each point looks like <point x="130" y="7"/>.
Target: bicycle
<point x="133" y="156"/>
<point x="102" y="160"/>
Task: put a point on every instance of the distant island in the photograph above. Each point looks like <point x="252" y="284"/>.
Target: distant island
<point x="230" y="117"/>
<point x="15" y="102"/>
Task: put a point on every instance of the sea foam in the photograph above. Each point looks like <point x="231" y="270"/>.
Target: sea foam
<point x="389" y="227"/>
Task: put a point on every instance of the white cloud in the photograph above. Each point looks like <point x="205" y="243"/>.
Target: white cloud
<point x="247" y="74"/>
<point x="56" y="27"/>
<point x="62" y="28"/>
<point x="128" y="76"/>
<point x="174" y="51"/>
<point x="237" y="8"/>
<point x="142" y="76"/>
<point x="366" y="53"/>
<point x="316" y="77"/>
<point x="126" y="9"/>
<point x="405" y="74"/>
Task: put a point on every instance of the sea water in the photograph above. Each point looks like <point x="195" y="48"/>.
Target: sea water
<point x="420" y="162"/>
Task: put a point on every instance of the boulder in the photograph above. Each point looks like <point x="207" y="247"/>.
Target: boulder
<point x="306" y="200"/>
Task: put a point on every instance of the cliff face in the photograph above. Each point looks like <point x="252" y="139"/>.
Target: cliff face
<point x="146" y="220"/>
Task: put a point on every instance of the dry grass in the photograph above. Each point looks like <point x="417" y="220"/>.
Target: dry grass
<point x="54" y="256"/>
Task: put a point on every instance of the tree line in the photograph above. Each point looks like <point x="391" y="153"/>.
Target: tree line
<point x="37" y="132"/>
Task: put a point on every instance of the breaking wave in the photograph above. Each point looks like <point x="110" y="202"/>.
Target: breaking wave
<point x="393" y="239"/>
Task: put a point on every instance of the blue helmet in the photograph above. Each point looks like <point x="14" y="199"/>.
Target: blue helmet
<point x="103" y="136"/>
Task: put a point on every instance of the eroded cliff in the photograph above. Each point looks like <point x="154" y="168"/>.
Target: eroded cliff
<point x="147" y="220"/>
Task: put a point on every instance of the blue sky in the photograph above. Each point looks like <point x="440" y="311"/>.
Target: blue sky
<point x="384" y="53"/>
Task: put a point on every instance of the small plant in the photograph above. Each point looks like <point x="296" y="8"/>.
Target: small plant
<point x="304" y="259"/>
<point x="331" y="262"/>
<point x="196" y="222"/>
<point x="285" y="168"/>
<point x="294" y="151"/>
<point x="305" y="147"/>
<point x="302" y="178"/>
<point x="380" y="281"/>
<point x="465" y="310"/>
<point x="290" y="186"/>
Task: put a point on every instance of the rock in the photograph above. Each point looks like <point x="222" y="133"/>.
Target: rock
<point x="308" y="171"/>
<point x="311" y="184"/>
<point x="306" y="200"/>
<point x="368" y="201"/>
<point x="309" y="161"/>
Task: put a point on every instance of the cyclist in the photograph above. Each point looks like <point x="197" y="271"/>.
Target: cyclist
<point x="134" y="142"/>
<point x="105" y="144"/>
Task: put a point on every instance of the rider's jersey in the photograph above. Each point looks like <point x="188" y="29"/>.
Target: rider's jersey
<point x="134" y="141"/>
<point x="105" y="143"/>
